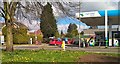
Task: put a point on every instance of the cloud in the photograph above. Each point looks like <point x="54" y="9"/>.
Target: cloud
<point x="95" y="6"/>
<point x="62" y="27"/>
<point x="33" y="26"/>
<point x="99" y="0"/>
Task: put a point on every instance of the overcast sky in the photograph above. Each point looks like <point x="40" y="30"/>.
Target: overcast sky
<point x="95" y="6"/>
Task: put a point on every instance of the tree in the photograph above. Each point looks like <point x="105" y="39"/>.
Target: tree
<point x="48" y="23"/>
<point x="72" y="30"/>
<point x="19" y="33"/>
<point x="8" y="13"/>
<point x="10" y="10"/>
<point x="82" y="33"/>
<point x="62" y="34"/>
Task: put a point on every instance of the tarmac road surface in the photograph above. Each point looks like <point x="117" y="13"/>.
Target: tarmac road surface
<point x="95" y="49"/>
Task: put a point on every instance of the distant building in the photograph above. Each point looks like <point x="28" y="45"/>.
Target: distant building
<point x="36" y="32"/>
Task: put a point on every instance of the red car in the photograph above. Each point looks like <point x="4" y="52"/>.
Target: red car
<point x="70" y="41"/>
<point x="55" y="42"/>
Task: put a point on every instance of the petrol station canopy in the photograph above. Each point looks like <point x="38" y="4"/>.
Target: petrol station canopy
<point x="97" y="18"/>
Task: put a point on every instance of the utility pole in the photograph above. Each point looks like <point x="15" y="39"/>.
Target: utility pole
<point x="79" y="24"/>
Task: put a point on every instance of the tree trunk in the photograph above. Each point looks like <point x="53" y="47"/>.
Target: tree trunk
<point x="9" y="41"/>
<point x="9" y="11"/>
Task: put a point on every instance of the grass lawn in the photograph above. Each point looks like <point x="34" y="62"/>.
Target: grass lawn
<point x="44" y="56"/>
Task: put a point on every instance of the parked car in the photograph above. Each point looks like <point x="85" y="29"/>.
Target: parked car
<point x="70" y="41"/>
<point x="55" y="42"/>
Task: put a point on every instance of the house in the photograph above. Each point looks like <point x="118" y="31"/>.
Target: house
<point x="18" y="25"/>
<point x="36" y="32"/>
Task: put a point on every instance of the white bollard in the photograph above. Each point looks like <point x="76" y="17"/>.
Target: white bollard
<point x="2" y="40"/>
<point x="30" y="40"/>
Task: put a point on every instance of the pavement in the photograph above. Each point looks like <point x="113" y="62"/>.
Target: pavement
<point x="95" y="49"/>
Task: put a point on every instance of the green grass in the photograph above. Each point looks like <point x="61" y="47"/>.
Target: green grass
<point x="45" y="56"/>
<point x="41" y="56"/>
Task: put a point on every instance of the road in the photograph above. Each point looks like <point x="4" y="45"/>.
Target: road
<point x="95" y="49"/>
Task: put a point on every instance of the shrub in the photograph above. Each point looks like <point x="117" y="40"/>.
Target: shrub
<point x="46" y="40"/>
<point x="39" y="38"/>
<point x="20" y="39"/>
<point x="19" y="35"/>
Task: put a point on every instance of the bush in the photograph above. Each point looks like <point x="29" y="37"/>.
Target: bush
<point x="20" y="39"/>
<point x="46" y="40"/>
<point x="19" y="35"/>
<point x="39" y="38"/>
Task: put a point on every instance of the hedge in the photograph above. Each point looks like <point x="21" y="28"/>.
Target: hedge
<point x="39" y="38"/>
<point x="19" y="35"/>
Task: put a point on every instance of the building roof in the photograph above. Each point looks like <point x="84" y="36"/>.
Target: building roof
<point x="96" y="18"/>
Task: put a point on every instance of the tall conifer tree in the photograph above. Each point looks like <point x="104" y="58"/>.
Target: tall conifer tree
<point x="48" y="23"/>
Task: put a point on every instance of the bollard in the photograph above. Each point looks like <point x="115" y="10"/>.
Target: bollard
<point x="30" y="40"/>
<point x="63" y="45"/>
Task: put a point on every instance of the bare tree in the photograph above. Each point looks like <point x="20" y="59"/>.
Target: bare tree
<point x="12" y="11"/>
<point x="8" y="12"/>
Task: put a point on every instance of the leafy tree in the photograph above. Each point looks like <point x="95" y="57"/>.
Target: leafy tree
<point x="48" y="23"/>
<point x="62" y="34"/>
<point x="71" y="27"/>
<point x="72" y="30"/>
<point x="57" y="34"/>
<point x="82" y="33"/>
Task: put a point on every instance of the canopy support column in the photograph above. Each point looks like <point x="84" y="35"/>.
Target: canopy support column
<point x="106" y="28"/>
